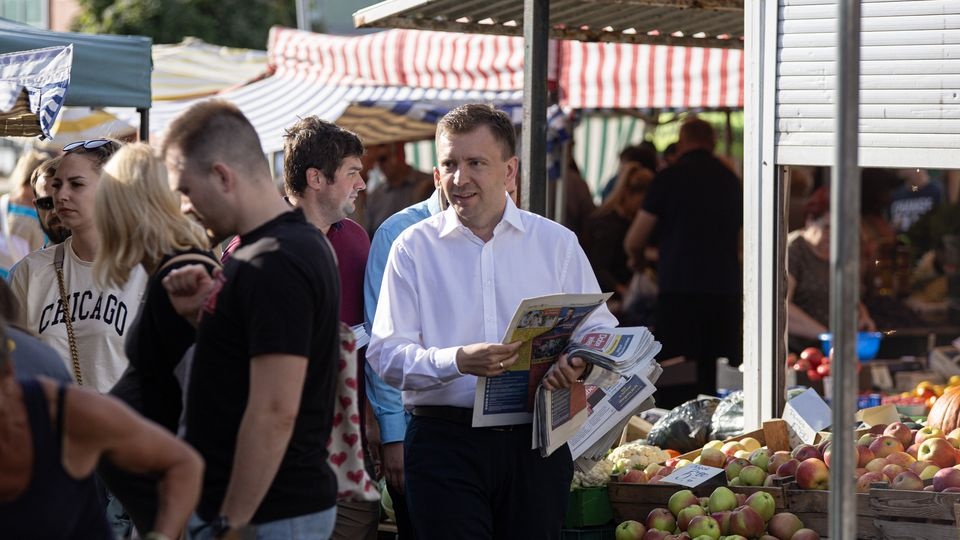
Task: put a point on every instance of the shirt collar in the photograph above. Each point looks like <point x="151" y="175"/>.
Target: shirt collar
<point x="511" y="216"/>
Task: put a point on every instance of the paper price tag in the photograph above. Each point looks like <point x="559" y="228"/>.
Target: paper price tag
<point x="884" y="414"/>
<point x="693" y="475"/>
<point x="805" y="415"/>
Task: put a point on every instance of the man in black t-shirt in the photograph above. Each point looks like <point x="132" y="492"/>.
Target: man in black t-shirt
<point x="261" y="391"/>
<point x="696" y="206"/>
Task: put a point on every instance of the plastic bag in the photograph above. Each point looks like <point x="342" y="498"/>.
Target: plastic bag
<point x="686" y="427"/>
<point x="728" y="418"/>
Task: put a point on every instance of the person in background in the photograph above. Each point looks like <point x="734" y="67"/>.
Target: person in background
<point x="670" y="155"/>
<point x="696" y="206"/>
<point x="50" y="222"/>
<point x="32" y="356"/>
<point x="641" y="154"/>
<point x="808" y="277"/>
<point x="141" y="225"/>
<point x="262" y="383"/>
<point x="91" y="340"/>
<point x="17" y="206"/>
<point x="393" y="183"/>
<point x="321" y="175"/>
<point x="578" y="201"/>
<point x="606" y="229"/>
<point x="450" y="287"/>
<point x="53" y="435"/>
<point x="913" y="198"/>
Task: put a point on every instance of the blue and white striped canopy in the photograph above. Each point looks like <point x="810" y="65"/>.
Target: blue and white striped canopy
<point x="44" y="76"/>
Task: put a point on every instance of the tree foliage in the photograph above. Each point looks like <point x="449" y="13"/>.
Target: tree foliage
<point x="234" y="23"/>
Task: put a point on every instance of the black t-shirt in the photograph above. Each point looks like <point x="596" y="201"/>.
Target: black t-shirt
<point x="279" y="294"/>
<point x="698" y="203"/>
<point x="158" y="341"/>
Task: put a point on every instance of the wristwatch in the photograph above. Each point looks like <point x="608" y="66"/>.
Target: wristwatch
<point x="220" y="526"/>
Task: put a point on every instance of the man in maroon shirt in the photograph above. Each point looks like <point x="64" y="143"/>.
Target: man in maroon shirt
<point x="321" y="173"/>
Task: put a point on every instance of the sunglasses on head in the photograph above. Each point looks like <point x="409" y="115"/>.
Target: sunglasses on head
<point x="92" y="144"/>
<point x="44" y="203"/>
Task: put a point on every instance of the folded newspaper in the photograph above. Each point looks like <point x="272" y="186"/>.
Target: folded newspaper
<point x="588" y="414"/>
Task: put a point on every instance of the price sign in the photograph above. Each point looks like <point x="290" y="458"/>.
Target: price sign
<point x="805" y="415"/>
<point x="693" y="475"/>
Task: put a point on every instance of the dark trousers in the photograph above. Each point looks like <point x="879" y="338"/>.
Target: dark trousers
<point x="401" y="514"/>
<point x="482" y="483"/>
<point x="702" y="328"/>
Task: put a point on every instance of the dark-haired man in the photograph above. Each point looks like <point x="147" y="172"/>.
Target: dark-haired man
<point x="43" y="201"/>
<point x="451" y="285"/>
<point x="321" y="175"/>
<point x="261" y="391"/>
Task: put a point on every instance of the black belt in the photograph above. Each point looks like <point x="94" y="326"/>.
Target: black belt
<point x="457" y="415"/>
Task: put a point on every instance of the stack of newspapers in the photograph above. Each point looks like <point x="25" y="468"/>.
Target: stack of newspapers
<point x="588" y="415"/>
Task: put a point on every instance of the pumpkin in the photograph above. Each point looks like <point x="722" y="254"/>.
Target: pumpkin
<point x="945" y="413"/>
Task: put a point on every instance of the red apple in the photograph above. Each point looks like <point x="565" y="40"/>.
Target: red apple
<point x="907" y="480"/>
<point x="929" y="432"/>
<point x="812" y="355"/>
<point x="912" y="450"/>
<point x="687" y="514"/>
<point x="805" y="452"/>
<point x="937" y="451"/>
<point x="813" y="474"/>
<point x="885" y="445"/>
<point x="864" y="455"/>
<point x="877" y="464"/>
<point x="902" y="459"/>
<point x="805" y="534"/>
<point x="746" y="522"/>
<point x="789" y="468"/>
<point x="863" y="483"/>
<point x="891" y="471"/>
<point x="723" y="520"/>
<point x="814" y="375"/>
<point x="901" y="432"/>
<point x="783" y="525"/>
<point x="919" y="466"/>
<point x="661" y="519"/>
<point x="779" y="458"/>
<point x="634" y="476"/>
<point x="946" y="478"/>
<point x="713" y="457"/>
<point x="655" y="534"/>
<point x="703" y="526"/>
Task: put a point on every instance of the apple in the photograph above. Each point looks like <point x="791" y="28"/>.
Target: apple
<point x="723" y="520"/>
<point x="866" y="439"/>
<point x="876" y="465"/>
<point x="863" y="483"/>
<point x="746" y="522"/>
<point x="952" y="489"/>
<point x="864" y="455"/>
<point x="805" y="534"/>
<point x="929" y="432"/>
<point x="783" y="525"/>
<point x="919" y="466"/>
<point x="750" y="444"/>
<point x="777" y="459"/>
<point x="704" y="502"/>
<point x="761" y="457"/>
<point x="731" y="447"/>
<point x="928" y="488"/>
<point x="742" y="454"/>
<point x="885" y="445"/>
<point x="630" y="530"/>
<point x="937" y="451"/>
<point x="661" y="519"/>
<point x="655" y="534"/>
<point x="687" y="514"/>
<point x="907" y="480"/>
<point x="901" y="432"/>
<point x="771" y="480"/>
<point x="954" y="437"/>
<point x="902" y="459"/>
<point x="814" y="375"/>
<point x="805" y="452"/>
<point x="634" y="476"/>
<point x="734" y="537"/>
<point x="813" y="474"/>
<point x="891" y="471"/>
<point x="722" y="499"/>
<point x="912" y="450"/>
<point x="652" y="469"/>
<point x="716" y="445"/>
<point x="680" y="500"/>
<point x="682" y="463"/>
<point x="735" y="482"/>
<point x="704" y="526"/>
<point x="734" y="467"/>
<point x="859" y="471"/>
<point x="711" y="457"/>
<point x="946" y="478"/>
<point x="812" y="355"/>
<point x="751" y="475"/>
<point x="929" y="472"/>
<point x="764" y="504"/>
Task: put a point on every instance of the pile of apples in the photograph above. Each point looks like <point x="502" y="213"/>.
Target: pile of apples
<point x="723" y="515"/>
<point x="812" y="362"/>
<point x="904" y="458"/>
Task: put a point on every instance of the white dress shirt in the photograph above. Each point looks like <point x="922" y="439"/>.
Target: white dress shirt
<point x="444" y="288"/>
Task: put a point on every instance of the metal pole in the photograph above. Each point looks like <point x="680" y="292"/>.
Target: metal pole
<point x="845" y="270"/>
<point x="536" y="22"/>
<point x="144" y="124"/>
<point x="303" y="20"/>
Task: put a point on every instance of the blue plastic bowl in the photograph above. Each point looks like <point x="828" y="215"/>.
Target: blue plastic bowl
<point x="868" y="343"/>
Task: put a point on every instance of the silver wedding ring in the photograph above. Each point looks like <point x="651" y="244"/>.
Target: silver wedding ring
<point x="501" y="365"/>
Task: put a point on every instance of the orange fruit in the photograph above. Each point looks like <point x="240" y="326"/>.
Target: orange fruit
<point x="671" y="452"/>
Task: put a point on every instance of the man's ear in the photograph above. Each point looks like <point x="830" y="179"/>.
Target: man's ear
<point x="225" y="176"/>
<point x="315" y="178"/>
<point x="510" y="182"/>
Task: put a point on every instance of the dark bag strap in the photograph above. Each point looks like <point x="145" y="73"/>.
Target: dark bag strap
<point x="194" y="257"/>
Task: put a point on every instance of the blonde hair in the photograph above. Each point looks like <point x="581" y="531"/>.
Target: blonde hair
<point x="138" y="216"/>
<point x="633" y="178"/>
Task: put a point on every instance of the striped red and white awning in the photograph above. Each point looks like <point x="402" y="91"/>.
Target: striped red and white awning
<point x="411" y="58"/>
<point x="625" y="76"/>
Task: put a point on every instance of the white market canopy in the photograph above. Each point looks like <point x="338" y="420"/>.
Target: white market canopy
<point x="33" y="86"/>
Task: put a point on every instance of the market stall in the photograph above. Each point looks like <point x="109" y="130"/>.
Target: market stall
<point x="34" y="84"/>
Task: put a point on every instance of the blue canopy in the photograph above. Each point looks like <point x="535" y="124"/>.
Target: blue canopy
<point x="108" y="71"/>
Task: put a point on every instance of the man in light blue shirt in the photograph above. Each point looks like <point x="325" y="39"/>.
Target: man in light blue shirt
<point x="385" y="400"/>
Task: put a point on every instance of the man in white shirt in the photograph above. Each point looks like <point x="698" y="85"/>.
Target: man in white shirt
<point x="451" y="284"/>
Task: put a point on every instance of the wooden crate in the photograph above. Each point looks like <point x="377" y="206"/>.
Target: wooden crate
<point x="915" y="514"/>
<point x="811" y="507"/>
<point x="774" y="435"/>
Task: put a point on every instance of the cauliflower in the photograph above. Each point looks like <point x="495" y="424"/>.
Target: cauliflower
<point x="634" y="455"/>
<point x="588" y="473"/>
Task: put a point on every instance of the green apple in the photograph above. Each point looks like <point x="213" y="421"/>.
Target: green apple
<point x="687" y="514"/>
<point x="722" y="499"/>
<point x="763" y="503"/>
<point x="704" y="526"/>
<point x="630" y="530"/>
<point x="680" y="500"/>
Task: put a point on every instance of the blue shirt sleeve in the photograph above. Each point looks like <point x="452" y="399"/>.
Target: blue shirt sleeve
<point x="386" y="401"/>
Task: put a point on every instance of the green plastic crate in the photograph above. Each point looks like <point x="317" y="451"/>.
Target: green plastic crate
<point x="605" y="532"/>
<point x="588" y="507"/>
